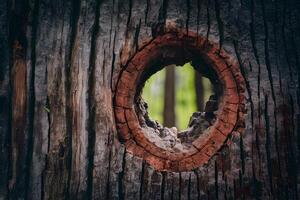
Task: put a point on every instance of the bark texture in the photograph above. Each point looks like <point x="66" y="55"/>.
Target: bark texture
<point x="59" y="65"/>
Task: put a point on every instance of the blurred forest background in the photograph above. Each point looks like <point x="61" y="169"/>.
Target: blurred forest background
<point x="174" y="93"/>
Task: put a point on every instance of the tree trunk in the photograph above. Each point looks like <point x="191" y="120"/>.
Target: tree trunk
<point x="169" y="97"/>
<point x="60" y="62"/>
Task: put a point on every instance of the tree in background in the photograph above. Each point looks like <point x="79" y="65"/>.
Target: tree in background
<point x="169" y="97"/>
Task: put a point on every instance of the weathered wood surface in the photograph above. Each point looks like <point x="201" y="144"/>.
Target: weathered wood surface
<point x="59" y="63"/>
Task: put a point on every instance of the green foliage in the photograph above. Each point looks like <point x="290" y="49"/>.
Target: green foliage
<point x="185" y="95"/>
<point x="153" y="94"/>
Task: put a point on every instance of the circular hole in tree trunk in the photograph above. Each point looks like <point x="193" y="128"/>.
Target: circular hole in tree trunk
<point x="166" y="148"/>
<point x="173" y="97"/>
<point x="173" y="94"/>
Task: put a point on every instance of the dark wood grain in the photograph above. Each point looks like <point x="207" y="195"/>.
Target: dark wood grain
<point x="59" y="65"/>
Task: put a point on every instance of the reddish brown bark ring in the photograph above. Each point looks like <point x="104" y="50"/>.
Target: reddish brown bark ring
<point x="162" y="49"/>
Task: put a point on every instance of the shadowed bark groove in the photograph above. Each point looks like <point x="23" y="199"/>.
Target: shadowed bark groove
<point x="31" y="104"/>
<point x="5" y="99"/>
<point x="91" y="97"/>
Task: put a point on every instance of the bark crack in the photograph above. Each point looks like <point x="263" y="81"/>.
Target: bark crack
<point x="91" y="99"/>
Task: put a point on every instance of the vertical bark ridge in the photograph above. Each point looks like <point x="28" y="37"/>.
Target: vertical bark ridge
<point x="248" y="88"/>
<point x="75" y="13"/>
<point x="198" y="184"/>
<point x="80" y="68"/>
<point x="252" y="28"/>
<point x="156" y="184"/>
<point x="51" y="147"/>
<point x="220" y="23"/>
<point x="111" y="25"/>
<point x="193" y="186"/>
<point x="208" y="19"/>
<point x="185" y="185"/>
<point x="255" y="51"/>
<point x="277" y="32"/>
<point x="19" y="98"/>
<point x="40" y="105"/>
<point x="199" y="3"/>
<point x="266" y="44"/>
<point x="188" y="8"/>
<point x="267" y="145"/>
<point x="146" y="11"/>
<point x="105" y="155"/>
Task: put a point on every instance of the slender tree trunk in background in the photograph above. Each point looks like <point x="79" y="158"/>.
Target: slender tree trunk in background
<point x="59" y="64"/>
<point x="199" y="91"/>
<point x="169" y="97"/>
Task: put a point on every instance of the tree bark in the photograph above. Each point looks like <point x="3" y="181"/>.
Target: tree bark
<point x="59" y="65"/>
